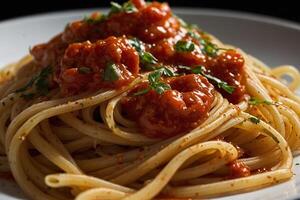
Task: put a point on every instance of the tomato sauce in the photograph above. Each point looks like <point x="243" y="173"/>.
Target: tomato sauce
<point x="87" y="54"/>
<point x="238" y="170"/>
<point x="83" y="52"/>
<point x="175" y="111"/>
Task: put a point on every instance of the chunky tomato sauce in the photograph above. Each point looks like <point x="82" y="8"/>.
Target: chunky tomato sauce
<point x="179" y="109"/>
<point x="96" y="54"/>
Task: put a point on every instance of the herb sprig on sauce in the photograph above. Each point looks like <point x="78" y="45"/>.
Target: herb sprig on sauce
<point x="155" y="82"/>
<point x="201" y="70"/>
<point x="147" y="60"/>
<point x="184" y="46"/>
<point x="40" y="82"/>
<point x="111" y="72"/>
<point x="127" y="7"/>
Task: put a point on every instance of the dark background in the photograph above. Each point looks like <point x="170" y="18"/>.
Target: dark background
<point x="286" y="9"/>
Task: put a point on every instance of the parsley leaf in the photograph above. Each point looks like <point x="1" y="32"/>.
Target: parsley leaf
<point x="84" y="70"/>
<point x="220" y="84"/>
<point x="254" y="120"/>
<point x="40" y="82"/>
<point x="209" y="48"/>
<point x="127" y="7"/>
<point x="255" y="101"/>
<point x="148" y="61"/>
<point x="184" y="46"/>
<point x="136" y="43"/>
<point x="94" y="20"/>
<point x="155" y="83"/>
<point x="148" y="58"/>
<point x="111" y="72"/>
<point x="194" y="35"/>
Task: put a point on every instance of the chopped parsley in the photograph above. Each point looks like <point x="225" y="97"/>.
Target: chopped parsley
<point x="84" y="70"/>
<point x="220" y="84"/>
<point x="111" y="72"/>
<point x="208" y="48"/>
<point x="40" y="82"/>
<point x="94" y="20"/>
<point x="254" y="120"/>
<point x="155" y="83"/>
<point x="255" y="101"/>
<point x="127" y="7"/>
<point x="184" y="46"/>
<point x="147" y="60"/>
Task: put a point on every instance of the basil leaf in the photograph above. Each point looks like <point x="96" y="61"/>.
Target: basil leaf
<point x="184" y="46"/>
<point x="111" y="72"/>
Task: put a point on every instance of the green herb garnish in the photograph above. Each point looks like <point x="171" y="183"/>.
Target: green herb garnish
<point x="84" y="70"/>
<point x="254" y="120"/>
<point x="111" y="72"/>
<point x="148" y="61"/>
<point x="94" y="20"/>
<point x="184" y="46"/>
<point x="220" y="84"/>
<point x="127" y="7"/>
<point x="255" y="101"/>
<point x="155" y="83"/>
<point x="40" y="82"/>
<point x="148" y="58"/>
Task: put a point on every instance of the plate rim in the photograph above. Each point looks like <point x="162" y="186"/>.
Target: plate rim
<point x="179" y="10"/>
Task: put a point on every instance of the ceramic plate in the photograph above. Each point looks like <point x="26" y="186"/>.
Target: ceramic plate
<point x="272" y="40"/>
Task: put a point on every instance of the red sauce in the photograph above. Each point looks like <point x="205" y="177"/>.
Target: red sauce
<point x="238" y="170"/>
<point x="175" y="111"/>
<point x="95" y="45"/>
<point x="111" y="50"/>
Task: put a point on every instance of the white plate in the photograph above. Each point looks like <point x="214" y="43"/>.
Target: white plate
<point x="274" y="41"/>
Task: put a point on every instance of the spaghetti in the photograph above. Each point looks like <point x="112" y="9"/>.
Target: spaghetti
<point x="137" y="104"/>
